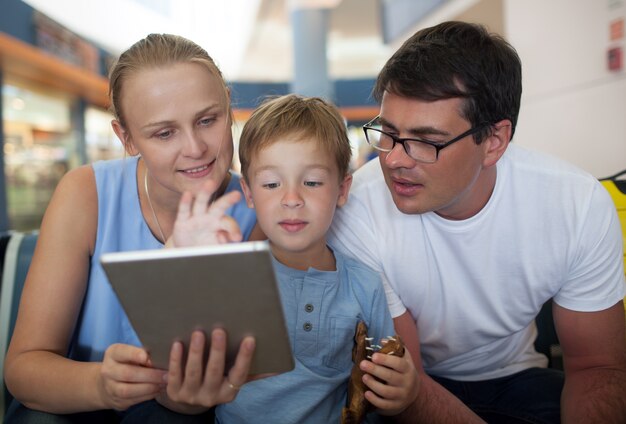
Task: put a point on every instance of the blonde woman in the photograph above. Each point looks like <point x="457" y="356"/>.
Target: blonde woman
<point x="74" y="354"/>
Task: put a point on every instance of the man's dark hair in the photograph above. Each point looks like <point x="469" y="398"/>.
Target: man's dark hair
<point x="458" y="59"/>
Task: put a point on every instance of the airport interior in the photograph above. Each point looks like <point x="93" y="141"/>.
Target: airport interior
<point x="55" y="58"/>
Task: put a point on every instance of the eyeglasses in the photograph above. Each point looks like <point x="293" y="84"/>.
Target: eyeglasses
<point x="420" y="150"/>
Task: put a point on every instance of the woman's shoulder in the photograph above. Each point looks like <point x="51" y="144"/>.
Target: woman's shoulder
<point x="72" y="213"/>
<point x="115" y="169"/>
<point x="76" y="181"/>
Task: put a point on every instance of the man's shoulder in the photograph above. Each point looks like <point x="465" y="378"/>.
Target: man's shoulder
<point x="530" y="167"/>
<point x="530" y="160"/>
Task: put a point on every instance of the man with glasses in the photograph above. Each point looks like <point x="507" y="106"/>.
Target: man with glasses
<point x="473" y="235"/>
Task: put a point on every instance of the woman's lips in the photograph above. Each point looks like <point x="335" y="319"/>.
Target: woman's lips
<point x="197" y="172"/>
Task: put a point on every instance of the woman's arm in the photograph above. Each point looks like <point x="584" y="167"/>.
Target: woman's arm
<point x="38" y="374"/>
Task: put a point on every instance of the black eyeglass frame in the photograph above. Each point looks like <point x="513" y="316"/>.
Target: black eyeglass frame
<point x="438" y="146"/>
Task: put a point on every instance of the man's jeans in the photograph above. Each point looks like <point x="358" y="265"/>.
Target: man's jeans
<point x="532" y="396"/>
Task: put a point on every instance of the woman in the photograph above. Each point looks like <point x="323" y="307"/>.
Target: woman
<point x="73" y="349"/>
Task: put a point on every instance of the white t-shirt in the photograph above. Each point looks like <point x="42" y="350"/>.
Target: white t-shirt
<point x="475" y="286"/>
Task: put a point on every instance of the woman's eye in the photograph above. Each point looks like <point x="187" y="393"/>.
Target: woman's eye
<point x="163" y="135"/>
<point x="206" y="121"/>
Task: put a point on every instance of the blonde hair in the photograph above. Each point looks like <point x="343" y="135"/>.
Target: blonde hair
<point x="156" y="50"/>
<point x="296" y="116"/>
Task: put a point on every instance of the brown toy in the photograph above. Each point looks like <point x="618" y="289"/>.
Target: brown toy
<point x="357" y="406"/>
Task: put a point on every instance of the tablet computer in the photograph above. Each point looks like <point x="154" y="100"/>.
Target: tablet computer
<point x="169" y="293"/>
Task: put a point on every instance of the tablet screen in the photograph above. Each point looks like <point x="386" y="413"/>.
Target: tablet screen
<point x="168" y="293"/>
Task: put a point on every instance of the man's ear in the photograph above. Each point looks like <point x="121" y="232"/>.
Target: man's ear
<point x="124" y="136"/>
<point x="246" y="193"/>
<point x="344" y="190"/>
<point x="496" y="142"/>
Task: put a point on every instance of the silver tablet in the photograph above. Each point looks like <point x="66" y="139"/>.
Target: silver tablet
<point x="168" y="293"/>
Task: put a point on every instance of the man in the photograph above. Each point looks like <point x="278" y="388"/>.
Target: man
<point x="473" y="235"/>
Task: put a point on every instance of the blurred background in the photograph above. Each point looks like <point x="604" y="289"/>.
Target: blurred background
<point x="55" y="55"/>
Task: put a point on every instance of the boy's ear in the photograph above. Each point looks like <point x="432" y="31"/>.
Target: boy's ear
<point x="344" y="189"/>
<point x="124" y="136"/>
<point x="495" y="144"/>
<point x="246" y="193"/>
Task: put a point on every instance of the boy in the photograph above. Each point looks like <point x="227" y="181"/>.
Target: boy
<point x="295" y="155"/>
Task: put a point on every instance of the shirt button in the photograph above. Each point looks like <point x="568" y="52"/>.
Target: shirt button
<point x="308" y="307"/>
<point x="307" y="326"/>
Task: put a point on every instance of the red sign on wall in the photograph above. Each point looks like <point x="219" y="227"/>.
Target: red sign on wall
<point x="616" y="29"/>
<point x="614" y="59"/>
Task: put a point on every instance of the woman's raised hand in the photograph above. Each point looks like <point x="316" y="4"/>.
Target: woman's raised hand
<point x="200" y="221"/>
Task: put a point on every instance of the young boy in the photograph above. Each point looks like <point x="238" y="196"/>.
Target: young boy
<point x="295" y="155"/>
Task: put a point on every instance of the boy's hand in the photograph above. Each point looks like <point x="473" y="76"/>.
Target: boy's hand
<point x="201" y="222"/>
<point x="397" y="385"/>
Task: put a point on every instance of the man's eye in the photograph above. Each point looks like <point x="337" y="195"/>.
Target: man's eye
<point x="422" y="141"/>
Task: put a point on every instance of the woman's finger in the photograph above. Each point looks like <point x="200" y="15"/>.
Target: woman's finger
<point x="219" y="207"/>
<point x="229" y="230"/>
<point x="217" y="359"/>
<point x="238" y="374"/>
<point x="184" y="207"/>
<point x="194" y="368"/>
<point x="174" y="376"/>
<point x="201" y="201"/>
<point x="131" y="364"/>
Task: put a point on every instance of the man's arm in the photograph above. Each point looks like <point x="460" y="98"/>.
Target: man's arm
<point x="434" y="404"/>
<point x="594" y="359"/>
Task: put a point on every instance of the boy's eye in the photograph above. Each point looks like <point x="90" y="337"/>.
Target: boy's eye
<point x="270" y="185"/>
<point x="312" y="183"/>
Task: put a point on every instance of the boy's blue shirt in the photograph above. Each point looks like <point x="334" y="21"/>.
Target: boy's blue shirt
<point x="322" y="309"/>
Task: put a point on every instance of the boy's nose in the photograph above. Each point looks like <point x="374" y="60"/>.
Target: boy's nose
<point x="292" y="199"/>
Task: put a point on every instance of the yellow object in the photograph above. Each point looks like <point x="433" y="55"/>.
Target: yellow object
<point x="617" y="190"/>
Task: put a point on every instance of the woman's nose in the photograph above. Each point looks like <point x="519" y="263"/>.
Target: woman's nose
<point x="194" y="145"/>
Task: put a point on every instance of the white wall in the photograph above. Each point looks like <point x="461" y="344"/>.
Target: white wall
<point x="572" y="106"/>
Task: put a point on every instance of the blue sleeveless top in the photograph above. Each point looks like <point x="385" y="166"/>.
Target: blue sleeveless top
<point x="121" y="227"/>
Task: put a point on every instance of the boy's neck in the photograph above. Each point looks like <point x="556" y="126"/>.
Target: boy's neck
<point x="321" y="259"/>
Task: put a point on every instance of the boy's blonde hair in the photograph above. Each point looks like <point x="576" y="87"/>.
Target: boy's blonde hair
<point x="303" y="118"/>
<point x="154" y="51"/>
